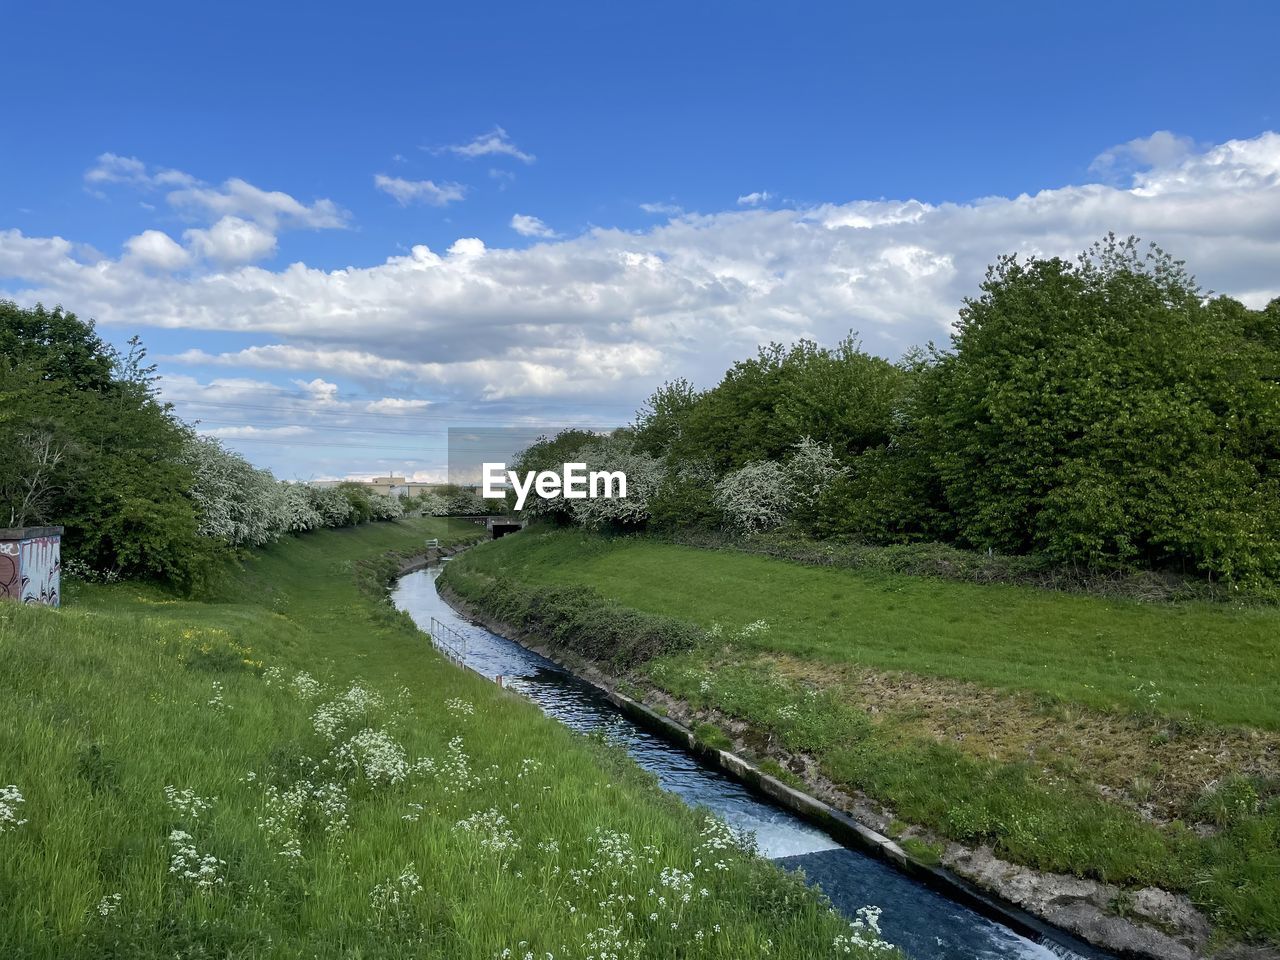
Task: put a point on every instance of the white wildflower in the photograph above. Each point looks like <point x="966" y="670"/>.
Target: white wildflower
<point x="10" y="797"/>
<point x="186" y="862"/>
<point x="305" y="686"/>
<point x="186" y="803"/>
<point x="216" y="702"/>
<point x="376" y="755"/>
<point x="392" y="894"/>
<point x="459" y="707"/>
<point x="356" y="704"/>
<point x="490" y="830"/>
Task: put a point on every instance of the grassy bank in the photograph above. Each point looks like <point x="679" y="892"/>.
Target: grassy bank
<point x="289" y="770"/>
<point x="1132" y="743"/>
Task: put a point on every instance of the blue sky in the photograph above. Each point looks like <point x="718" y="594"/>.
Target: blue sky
<point x="549" y="209"/>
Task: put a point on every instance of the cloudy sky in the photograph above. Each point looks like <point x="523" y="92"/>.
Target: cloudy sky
<point x="343" y="233"/>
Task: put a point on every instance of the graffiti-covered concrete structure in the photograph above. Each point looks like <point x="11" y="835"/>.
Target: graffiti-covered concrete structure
<point x="31" y="564"/>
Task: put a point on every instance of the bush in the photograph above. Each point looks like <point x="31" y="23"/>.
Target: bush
<point x="643" y="473"/>
<point x="332" y="505"/>
<point x="1105" y="413"/>
<point x="574" y="619"/>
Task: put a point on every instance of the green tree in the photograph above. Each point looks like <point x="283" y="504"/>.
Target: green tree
<point x="842" y="397"/>
<point x="661" y="422"/>
<point x="1105" y="412"/>
<point x="119" y="486"/>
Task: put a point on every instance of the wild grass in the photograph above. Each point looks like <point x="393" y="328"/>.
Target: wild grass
<point x="1189" y="664"/>
<point x="1205" y="661"/>
<point x="288" y="769"/>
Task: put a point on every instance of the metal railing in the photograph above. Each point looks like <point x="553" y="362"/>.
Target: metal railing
<point x="449" y="642"/>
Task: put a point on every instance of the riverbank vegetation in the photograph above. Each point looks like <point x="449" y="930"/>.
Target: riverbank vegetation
<point x="288" y="769"/>
<point x="1133" y="743"/>
<point x="91" y="447"/>
<point x="1103" y="418"/>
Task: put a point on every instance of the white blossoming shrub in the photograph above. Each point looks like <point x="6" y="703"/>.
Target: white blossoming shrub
<point x="763" y="495"/>
<point x="244" y="506"/>
<point x="237" y="503"/>
<point x="810" y="468"/>
<point x="757" y="498"/>
<point x="333" y="506"/>
<point x="644" y="476"/>
<point x="433" y="505"/>
<point x="297" y="511"/>
<point x="385" y="507"/>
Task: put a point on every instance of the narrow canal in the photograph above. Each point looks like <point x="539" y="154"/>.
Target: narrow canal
<point x="925" y="924"/>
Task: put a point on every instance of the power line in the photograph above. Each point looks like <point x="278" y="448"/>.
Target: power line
<point x="318" y="427"/>
<point x="369" y="398"/>
<point x="292" y="442"/>
<point x="364" y="414"/>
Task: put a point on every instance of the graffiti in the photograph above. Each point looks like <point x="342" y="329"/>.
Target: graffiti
<point x="8" y="574"/>
<point x="9" y="548"/>
<point x="40" y="567"/>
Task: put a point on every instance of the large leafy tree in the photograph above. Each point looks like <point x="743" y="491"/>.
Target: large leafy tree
<point x="119" y="486"/>
<point x="841" y="397"/>
<point x="1106" y="412"/>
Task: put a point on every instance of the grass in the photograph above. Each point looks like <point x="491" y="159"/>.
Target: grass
<point x="287" y="769"/>
<point x="1198" y="660"/>
<point x="1074" y="734"/>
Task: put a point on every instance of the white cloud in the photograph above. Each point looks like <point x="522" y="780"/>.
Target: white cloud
<point x="605" y="315"/>
<point x="754" y="199"/>
<point x="1162" y="149"/>
<point x="670" y="209"/>
<point x="232" y="240"/>
<point x="396" y="405"/>
<point x="154" y="248"/>
<point x="528" y="226"/>
<point x="113" y="168"/>
<point x="423" y="191"/>
<point x="466" y="248"/>
<point x="319" y="391"/>
<point x="491" y="144"/>
<point x="271" y="208"/>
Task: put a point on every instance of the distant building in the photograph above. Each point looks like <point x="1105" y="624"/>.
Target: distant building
<point x="393" y="486"/>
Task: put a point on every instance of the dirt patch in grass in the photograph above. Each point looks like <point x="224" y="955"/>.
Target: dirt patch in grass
<point x="1155" y="765"/>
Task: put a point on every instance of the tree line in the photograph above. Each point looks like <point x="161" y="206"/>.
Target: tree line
<point x="1102" y="411"/>
<point x="88" y="445"/>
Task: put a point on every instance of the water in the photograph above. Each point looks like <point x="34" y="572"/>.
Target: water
<point x="927" y="925"/>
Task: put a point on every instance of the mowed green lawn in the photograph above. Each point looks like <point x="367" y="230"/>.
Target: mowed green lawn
<point x="290" y="771"/>
<point x="1210" y="662"/>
